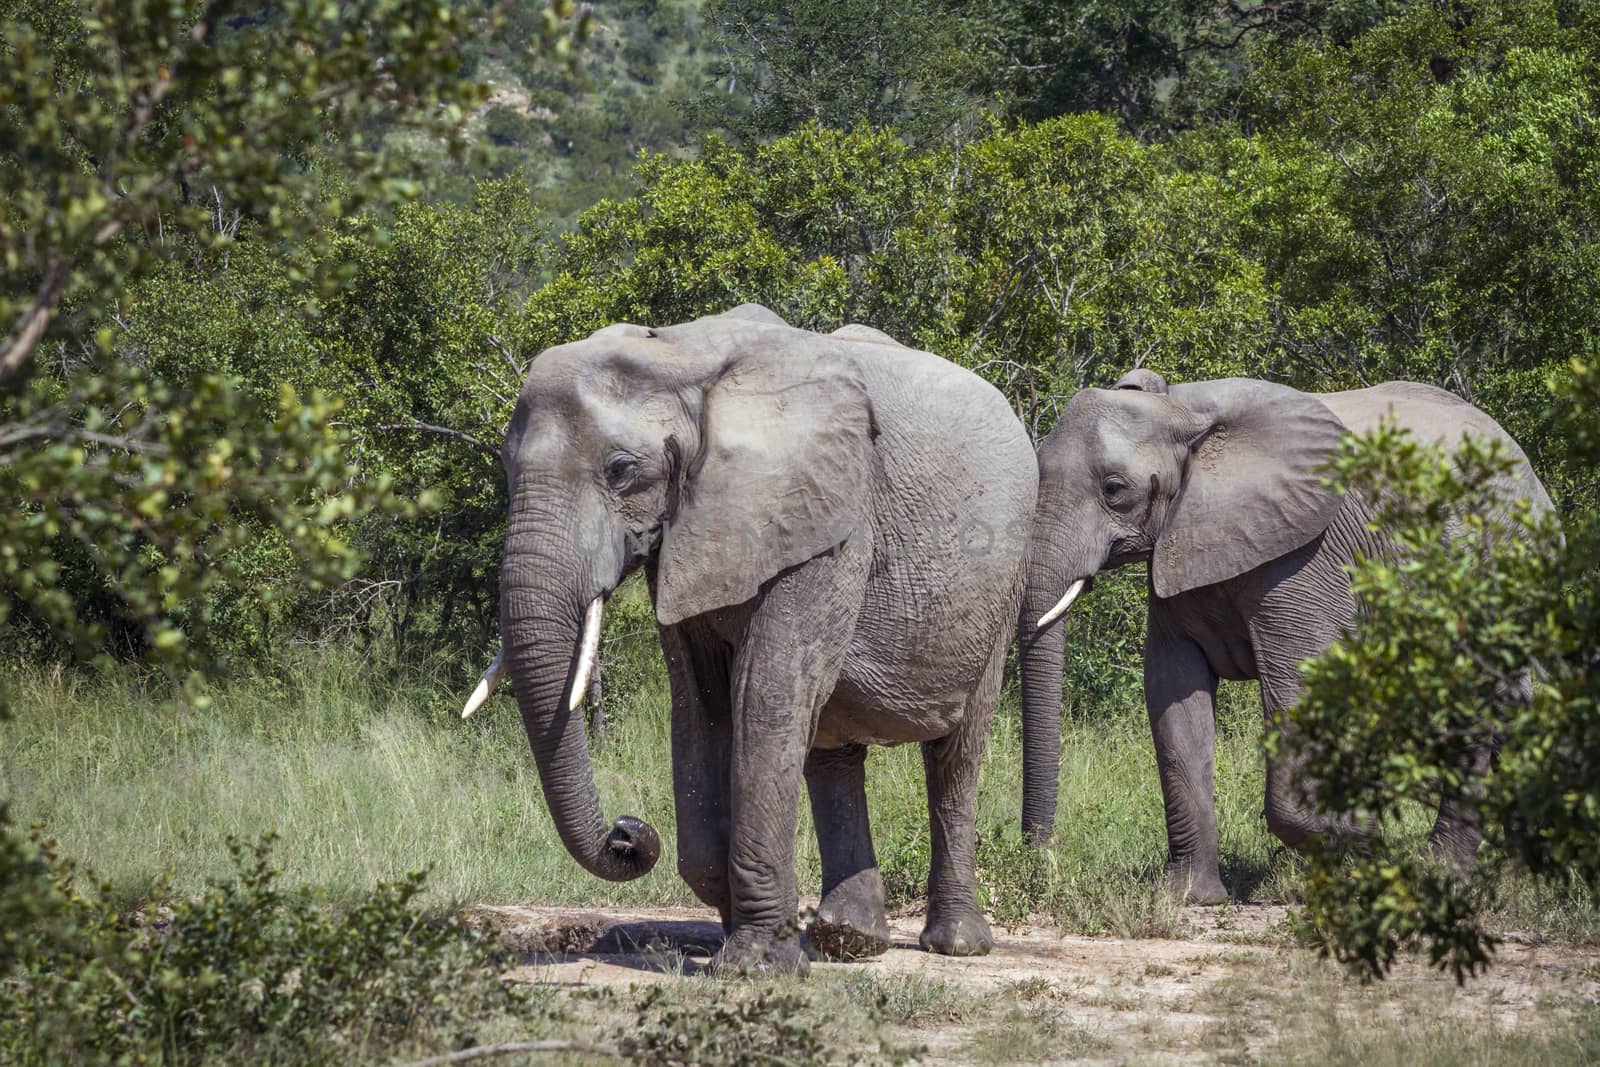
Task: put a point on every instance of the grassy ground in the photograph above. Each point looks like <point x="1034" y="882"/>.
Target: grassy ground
<point x="366" y="777"/>
<point x="1271" y="1010"/>
<point x="366" y="773"/>
<point x="369" y="773"/>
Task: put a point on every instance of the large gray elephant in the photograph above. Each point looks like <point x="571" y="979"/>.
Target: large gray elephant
<point x="1220" y="486"/>
<point x="833" y="530"/>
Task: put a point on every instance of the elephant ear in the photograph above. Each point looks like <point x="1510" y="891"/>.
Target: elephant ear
<point x="784" y="474"/>
<point x="1253" y="487"/>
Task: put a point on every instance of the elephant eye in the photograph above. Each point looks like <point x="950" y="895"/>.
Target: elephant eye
<point x="1114" y="486"/>
<point x="621" y="471"/>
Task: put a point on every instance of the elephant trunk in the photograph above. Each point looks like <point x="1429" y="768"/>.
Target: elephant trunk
<point x="1040" y="654"/>
<point x="545" y="591"/>
<point x="1053" y="583"/>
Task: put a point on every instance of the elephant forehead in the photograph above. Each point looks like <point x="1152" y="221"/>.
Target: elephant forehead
<point x="1102" y="428"/>
<point x="584" y="424"/>
<point x="596" y="386"/>
<point x="1123" y="437"/>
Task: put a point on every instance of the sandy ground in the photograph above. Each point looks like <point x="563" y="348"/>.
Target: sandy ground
<point x="1235" y="988"/>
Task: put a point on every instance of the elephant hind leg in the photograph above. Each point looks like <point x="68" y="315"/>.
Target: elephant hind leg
<point x="1291" y="815"/>
<point x="850" y="922"/>
<point x="1458" y="830"/>
<point x="1293" y="820"/>
<point x="956" y="926"/>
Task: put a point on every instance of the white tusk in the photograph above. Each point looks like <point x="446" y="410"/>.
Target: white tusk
<point x="1061" y="605"/>
<point x="586" y="652"/>
<point x="486" y="684"/>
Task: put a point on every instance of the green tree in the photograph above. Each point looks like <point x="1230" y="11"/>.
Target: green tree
<point x="1156" y="65"/>
<point x="838" y="63"/>
<point x="1421" y="204"/>
<point x="131" y="136"/>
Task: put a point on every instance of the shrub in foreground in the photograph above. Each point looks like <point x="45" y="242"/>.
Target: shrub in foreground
<point x="246" y="969"/>
<point x="1391" y="713"/>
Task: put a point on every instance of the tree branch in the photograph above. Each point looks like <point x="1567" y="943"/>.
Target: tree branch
<point x="32" y="323"/>
<point x="444" y="431"/>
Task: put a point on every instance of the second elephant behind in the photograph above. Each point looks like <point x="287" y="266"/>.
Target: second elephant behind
<point x="1220" y="486"/>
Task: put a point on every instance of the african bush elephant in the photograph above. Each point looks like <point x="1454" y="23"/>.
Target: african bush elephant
<point x="833" y="531"/>
<point x="1219" y="486"/>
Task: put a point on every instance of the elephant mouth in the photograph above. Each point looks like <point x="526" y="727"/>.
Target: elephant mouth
<point x="641" y="546"/>
<point x="1122" y="555"/>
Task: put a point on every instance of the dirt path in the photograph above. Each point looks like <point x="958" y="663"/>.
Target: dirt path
<point x="1236" y="987"/>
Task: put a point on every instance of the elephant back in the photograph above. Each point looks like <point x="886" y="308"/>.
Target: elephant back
<point x="1437" y="416"/>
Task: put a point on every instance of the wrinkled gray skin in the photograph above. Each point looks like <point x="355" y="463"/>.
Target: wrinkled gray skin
<point x="1217" y="485"/>
<point x="833" y="530"/>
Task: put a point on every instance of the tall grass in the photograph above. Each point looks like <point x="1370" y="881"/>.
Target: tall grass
<point x="366" y="771"/>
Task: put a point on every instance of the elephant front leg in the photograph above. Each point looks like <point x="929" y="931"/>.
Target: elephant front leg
<point x="1180" y="695"/>
<point x="850" y="922"/>
<point x="793" y="650"/>
<point x="702" y="733"/>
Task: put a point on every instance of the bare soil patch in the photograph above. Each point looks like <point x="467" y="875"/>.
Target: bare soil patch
<point x="1237" y="988"/>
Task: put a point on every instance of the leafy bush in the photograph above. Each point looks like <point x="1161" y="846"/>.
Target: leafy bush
<point x="767" y="1028"/>
<point x="247" y="968"/>
<point x="772" y="1027"/>
<point x="134" y="136"/>
<point x="1390" y="713"/>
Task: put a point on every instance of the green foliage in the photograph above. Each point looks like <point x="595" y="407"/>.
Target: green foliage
<point x="120" y="123"/>
<point x="927" y="69"/>
<point x="1046" y="256"/>
<point x="573" y="131"/>
<point x="840" y="63"/>
<point x="145" y="509"/>
<point x="150" y="492"/>
<point x="1423" y="207"/>
<point x="245" y="969"/>
<point x="769" y="1028"/>
<point x="1473" y="596"/>
<point x="1366" y="910"/>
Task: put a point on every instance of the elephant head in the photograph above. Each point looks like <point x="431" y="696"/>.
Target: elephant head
<point x="721" y="451"/>
<point x="1203" y="481"/>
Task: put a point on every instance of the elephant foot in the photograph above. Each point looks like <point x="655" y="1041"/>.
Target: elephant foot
<point x="850" y="923"/>
<point x="1195" y="887"/>
<point x="752" y="953"/>
<point x="957" y="933"/>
